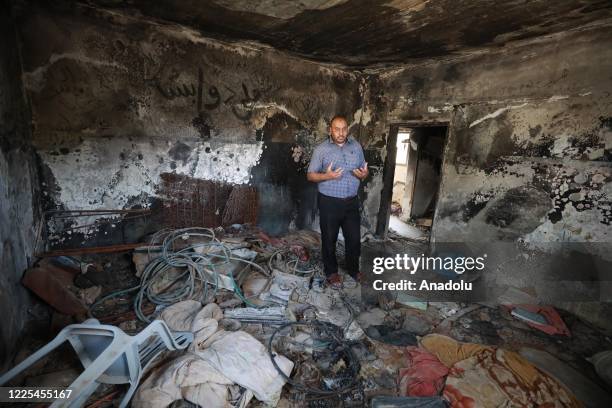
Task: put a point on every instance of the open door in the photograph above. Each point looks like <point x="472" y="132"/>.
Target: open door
<point x="412" y="177"/>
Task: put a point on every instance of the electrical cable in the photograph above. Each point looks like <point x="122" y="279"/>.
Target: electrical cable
<point x="290" y="265"/>
<point x="337" y="344"/>
<point x="200" y="270"/>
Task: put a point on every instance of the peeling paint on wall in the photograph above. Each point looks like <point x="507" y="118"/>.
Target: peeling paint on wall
<point x="496" y="114"/>
<point x="119" y="101"/>
<point x="528" y="155"/>
<point x="362" y="116"/>
<point x="439" y="109"/>
<point x="120" y="174"/>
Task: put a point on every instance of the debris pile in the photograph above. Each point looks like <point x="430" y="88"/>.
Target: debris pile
<point x="268" y="331"/>
<point x="220" y="365"/>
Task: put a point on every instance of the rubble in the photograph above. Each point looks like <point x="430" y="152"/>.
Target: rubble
<point x="216" y="361"/>
<point x="410" y="301"/>
<point x="416" y="324"/>
<point x="544" y="318"/>
<point x="372" y="317"/>
<point x="269" y="331"/>
<point x="602" y="362"/>
<point x="271" y="315"/>
<point x="388" y="334"/>
<point x="89" y="295"/>
<point x="54" y="285"/>
<point x="281" y="287"/>
<point x="589" y="393"/>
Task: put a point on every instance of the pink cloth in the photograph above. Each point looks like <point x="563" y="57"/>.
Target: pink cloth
<point x="424" y="376"/>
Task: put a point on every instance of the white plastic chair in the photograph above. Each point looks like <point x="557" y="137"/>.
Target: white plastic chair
<point x="108" y="355"/>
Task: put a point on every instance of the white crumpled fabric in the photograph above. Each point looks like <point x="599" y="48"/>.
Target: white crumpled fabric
<point x="244" y="360"/>
<point x="183" y="315"/>
<point x="187" y="377"/>
<point x="216" y="360"/>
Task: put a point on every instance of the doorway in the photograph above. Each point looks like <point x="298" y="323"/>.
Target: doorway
<point x="412" y="177"/>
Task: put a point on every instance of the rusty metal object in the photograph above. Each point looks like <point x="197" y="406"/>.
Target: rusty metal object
<point x="56" y="217"/>
<point x="89" y="213"/>
<point x="241" y="206"/>
<point x="190" y="202"/>
<point x="59" y="224"/>
<point x="52" y="284"/>
<point x="126" y="316"/>
<point x="108" y="398"/>
<point x="94" y="250"/>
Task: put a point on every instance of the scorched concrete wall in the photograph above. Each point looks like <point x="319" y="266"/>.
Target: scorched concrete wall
<point x="19" y="208"/>
<point x="528" y="158"/>
<point x="118" y="101"/>
<point x="530" y="142"/>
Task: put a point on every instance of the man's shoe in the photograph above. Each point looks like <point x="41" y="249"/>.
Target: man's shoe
<point x="335" y="281"/>
<point x="358" y="278"/>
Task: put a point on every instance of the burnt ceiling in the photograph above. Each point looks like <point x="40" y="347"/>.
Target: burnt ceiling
<point x="360" y="33"/>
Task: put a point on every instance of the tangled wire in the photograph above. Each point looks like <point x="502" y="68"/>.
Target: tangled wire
<point x="199" y="263"/>
<point x="334" y="339"/>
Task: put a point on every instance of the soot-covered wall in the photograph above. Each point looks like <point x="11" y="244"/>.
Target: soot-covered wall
<point x="119" y="101"/>
<point x="530" y="142"/>
<point x="528" y="158"/>
<point x="19" y="195"/>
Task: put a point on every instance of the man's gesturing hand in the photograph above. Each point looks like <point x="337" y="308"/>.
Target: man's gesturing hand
<point x="333" y="174"/>
<point x="361" y="173"/>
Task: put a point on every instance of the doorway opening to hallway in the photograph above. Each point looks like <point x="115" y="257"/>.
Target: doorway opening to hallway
<point x="412" y="176"/>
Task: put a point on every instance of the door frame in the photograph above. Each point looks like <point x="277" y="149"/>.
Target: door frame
<point x="386" y="195"/>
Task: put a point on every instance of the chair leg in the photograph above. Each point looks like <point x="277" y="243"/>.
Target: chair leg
<point x="86" y="382"/>
<point x="130" y="393"/>
<point x="40" y="353"/>
<point x="80" y="399"/>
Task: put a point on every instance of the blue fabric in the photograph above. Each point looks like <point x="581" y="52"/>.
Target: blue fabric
<point x="348" y="156"/>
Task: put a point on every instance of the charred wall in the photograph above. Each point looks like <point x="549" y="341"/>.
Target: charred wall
<point x="19" y="209"/>
<point x="430" y="142"/>
<point x="535" y="117"/>
<point x="120" y="101"/>
<point x="528" y="158"/>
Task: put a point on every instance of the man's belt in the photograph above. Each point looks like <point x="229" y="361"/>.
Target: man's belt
<point x="340" y="198"/>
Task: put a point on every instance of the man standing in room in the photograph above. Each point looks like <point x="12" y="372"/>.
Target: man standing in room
<point x="338" y="167"/>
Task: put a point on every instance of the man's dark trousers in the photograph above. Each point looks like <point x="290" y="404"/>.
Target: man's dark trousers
<point x="336" y="213"/>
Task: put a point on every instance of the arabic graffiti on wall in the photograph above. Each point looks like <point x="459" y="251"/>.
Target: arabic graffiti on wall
<point x="241" y="102"/>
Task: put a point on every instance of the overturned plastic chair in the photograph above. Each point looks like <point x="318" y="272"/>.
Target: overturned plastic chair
<point x="109" y="356"/>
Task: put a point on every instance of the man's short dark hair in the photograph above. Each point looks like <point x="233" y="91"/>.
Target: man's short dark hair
<point x="338" y="117"/>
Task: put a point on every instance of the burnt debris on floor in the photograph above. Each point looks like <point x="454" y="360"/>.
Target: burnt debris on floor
<point x="268" y="330"/>
<point x="153" y="175"/>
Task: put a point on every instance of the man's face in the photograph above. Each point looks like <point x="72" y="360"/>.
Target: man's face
<point x="339" y="131"/>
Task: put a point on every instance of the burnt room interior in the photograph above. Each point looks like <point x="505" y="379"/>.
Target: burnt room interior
<point x="153" y="160"/>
